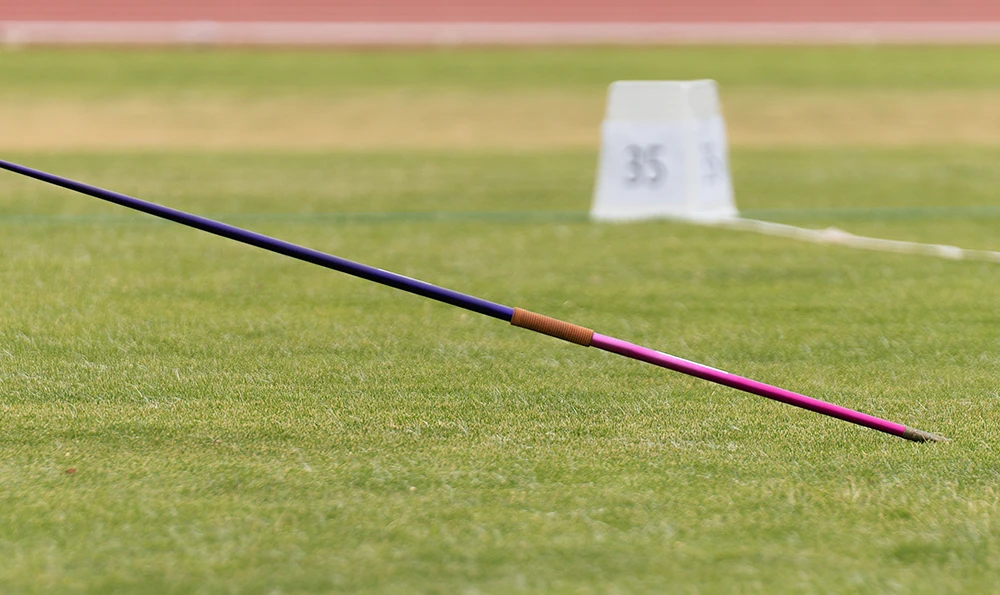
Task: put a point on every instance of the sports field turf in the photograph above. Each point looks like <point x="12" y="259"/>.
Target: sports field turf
<point x="240" y="422"/>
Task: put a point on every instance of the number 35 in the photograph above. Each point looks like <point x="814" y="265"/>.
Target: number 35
<point x="644" y="165"/>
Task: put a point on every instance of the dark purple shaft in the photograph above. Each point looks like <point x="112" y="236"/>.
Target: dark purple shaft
<point x="516" y="316"/>
<point x="274" y="245"/>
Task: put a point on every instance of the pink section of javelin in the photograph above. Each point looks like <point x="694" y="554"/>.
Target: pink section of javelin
<point x="684" y="366"/>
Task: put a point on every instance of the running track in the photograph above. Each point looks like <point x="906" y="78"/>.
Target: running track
<point x="457" y="21"/>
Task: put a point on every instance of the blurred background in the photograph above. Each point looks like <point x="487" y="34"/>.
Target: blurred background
<point x="482" y="97"/>
<point x="486" y="21"/>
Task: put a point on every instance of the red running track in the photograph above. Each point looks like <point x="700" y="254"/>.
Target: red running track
<point x="510" y="11"/>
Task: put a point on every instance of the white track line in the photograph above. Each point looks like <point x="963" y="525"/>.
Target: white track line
<point x="838" y="237"/>
<point x="349" y="34"/>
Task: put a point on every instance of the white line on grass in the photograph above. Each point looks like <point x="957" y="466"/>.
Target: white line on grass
<point x="839" y="237"/>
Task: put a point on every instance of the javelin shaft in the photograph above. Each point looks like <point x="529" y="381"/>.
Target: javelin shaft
<point x="516" y="316"/>
<point x="758" y="388"/>
<point x="272" y="244"/>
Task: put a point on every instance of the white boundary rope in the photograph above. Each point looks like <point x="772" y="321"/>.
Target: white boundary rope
<point x="838" y="237"/>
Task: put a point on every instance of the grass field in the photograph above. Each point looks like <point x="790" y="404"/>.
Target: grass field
<point x="240" y="422"/>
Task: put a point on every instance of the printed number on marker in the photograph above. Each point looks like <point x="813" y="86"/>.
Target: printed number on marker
<point x="713" y="162"/>
<point x="645" y="165"/>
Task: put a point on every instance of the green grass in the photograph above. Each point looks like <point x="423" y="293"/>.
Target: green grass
<point x="104" y="72"/>
<point x="240" y="422"/>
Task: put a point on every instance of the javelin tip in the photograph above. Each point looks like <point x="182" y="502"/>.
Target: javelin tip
<point x="921" y="436"/>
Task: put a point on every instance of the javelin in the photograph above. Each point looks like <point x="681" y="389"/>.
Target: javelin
<point x="516" y="316"/>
